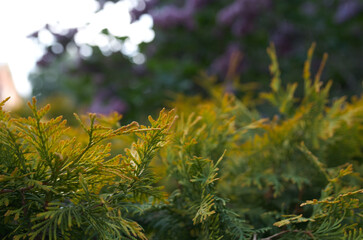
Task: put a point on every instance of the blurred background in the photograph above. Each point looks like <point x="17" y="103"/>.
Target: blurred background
<point x="135" y="56"/>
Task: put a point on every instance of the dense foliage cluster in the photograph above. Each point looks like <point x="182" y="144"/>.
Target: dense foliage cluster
<point x="218" y="171"/>
<point x="55" y="185"/>
<point x="200" y="35"/>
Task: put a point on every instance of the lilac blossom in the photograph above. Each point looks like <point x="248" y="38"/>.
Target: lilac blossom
<point x="241" y="14"/>
<point x="170" y="15"/>
<point x="347" y="10"/>
<point x="106" y="106"/>
<point x="221" y="64"/>
<point x="228" y="14"/>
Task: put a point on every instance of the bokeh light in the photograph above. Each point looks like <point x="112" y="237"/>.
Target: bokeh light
<point x="21" y="18"/>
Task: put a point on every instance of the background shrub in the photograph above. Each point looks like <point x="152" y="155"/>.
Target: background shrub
<point x="192" y="36"/>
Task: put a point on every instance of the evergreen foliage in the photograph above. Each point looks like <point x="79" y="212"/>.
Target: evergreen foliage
<point x="227" y="171"/>
<point x="56" y="186"/>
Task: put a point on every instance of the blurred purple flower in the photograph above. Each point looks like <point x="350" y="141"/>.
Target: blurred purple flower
<point x="347" y="10"/>
<point x="227" y="15"/>
<point x="241" y="14"/>
<point x="221" y="64"/>
<point x="106" y="106"/>
<point x="199" y="3"/>
<point x="170" y="16"/>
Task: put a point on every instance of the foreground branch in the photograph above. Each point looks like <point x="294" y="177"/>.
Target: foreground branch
<point x="288" y="231"/>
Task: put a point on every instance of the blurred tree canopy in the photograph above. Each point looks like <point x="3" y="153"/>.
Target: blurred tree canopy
<point x="192" y="36"/>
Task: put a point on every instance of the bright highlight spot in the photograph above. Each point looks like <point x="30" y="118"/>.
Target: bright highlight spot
<point x="20" y="18"/>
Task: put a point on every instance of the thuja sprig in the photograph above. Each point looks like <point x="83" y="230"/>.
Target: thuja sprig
<point x="336" y="215"/>
<point x="142" y="152"/>
<point x="55" y="185"/>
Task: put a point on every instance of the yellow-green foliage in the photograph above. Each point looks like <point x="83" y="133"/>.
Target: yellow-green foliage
<point x="271" y="165"/>
<point x="195" y="210"/>
<point x="228" y="172"/>
<point x="56" y="187"/>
